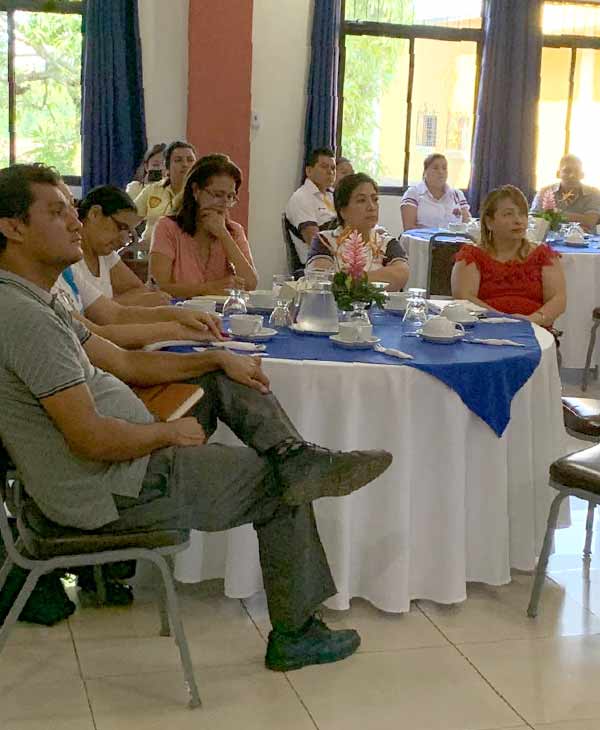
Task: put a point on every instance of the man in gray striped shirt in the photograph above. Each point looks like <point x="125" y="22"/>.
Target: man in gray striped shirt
<point x="92" y="456"/>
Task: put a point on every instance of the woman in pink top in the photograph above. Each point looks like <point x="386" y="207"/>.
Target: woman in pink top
<point x="200" y="250"/>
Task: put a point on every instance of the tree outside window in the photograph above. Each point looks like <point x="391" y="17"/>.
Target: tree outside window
<point x="45" y="50"/>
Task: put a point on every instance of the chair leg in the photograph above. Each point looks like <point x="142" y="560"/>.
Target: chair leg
<point x="588" y="357"/>
<point x="165" y="627"/>
<point x="6" y="568"/>
<point x="540" y="572"/>
<point x="100" y="584"/>
<point x="589" y="531"/>
<point x="18" y="605"/>
<point x="177" y="624"/>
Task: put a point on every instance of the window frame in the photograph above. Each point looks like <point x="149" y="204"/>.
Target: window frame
<point x="574" y="42"/>
<point x="64" y="7"/>
<point x="410" y="33"/>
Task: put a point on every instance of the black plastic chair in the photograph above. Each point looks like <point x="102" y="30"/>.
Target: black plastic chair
<point x="43" y="546"/>
<point x="441" y="260"/>
<point x="295" y="266"/>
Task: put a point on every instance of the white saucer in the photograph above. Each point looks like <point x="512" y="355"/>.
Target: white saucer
<point x="265" y="334"/>
<point x="441" y="340"/>
<point x="363" y="345"/>
<point x="315" y="333"/>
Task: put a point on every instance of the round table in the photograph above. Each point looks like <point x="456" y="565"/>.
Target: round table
<point x="582" y="273"/>
<point x="458" y="503"/>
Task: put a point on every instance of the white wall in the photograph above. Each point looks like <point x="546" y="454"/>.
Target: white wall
<point x="164" y="35"/>
<point x="280" y="60"/>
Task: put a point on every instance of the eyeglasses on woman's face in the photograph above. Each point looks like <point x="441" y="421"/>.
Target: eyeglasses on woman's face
<point x="222" y="197"/>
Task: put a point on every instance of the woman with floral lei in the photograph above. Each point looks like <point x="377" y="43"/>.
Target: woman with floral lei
<point x="358" y="245"/>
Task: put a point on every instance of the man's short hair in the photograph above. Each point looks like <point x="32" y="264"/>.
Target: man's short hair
<point x="16" y="193"/>
<point x="313" y="157"/>
<point x="570" y="158"/>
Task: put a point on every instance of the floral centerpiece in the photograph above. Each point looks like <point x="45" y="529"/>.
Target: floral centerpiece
<point x="550" y="211"/>
<point x="351" y="283"/>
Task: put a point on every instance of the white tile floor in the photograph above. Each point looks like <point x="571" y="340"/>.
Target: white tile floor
<point x="479" y="665"/>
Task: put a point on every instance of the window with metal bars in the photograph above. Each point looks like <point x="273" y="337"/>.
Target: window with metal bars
<point x="569" y="102"/>
<point x="399" y="59"/>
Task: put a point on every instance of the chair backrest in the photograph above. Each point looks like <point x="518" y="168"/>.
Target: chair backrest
<point x="295" y="266"/>
<point x="441" y="261"/>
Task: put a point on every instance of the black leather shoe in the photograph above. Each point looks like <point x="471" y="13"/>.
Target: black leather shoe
<point x="309" y="472"/>
<point x="315" y="644"/>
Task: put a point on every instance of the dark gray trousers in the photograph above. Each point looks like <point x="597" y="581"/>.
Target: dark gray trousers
<point x="216" y="487"/>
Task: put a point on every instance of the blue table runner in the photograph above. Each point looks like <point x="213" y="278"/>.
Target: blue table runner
<point x="486" y="378"/>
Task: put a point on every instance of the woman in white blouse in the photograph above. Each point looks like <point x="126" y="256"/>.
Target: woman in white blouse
<point x="432" y="203"/>
<point x="109" y="218"/>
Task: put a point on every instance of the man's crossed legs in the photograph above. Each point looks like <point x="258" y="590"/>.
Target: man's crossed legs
<point x="271" y="484"/>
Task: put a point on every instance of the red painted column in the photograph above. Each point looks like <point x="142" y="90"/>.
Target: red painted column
<point x="220" y="75"/>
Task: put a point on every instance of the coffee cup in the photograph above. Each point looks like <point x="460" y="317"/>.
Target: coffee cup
<point x="355" y="332"/>
<point x="458" y="313"/>
<point x="201" y="305"/>
<point x="441" y="327"/>
<point x="261" y="299"/>
<point x="245" y="325"/>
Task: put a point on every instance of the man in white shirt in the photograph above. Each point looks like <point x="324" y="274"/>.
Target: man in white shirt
<point x="311" y="209"/>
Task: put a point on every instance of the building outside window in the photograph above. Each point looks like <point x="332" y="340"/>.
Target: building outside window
<point x="40" y="84"/>
<point x="408" y="80"/>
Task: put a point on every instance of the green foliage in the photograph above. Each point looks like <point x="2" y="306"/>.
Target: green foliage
<point x="554" y="218"/>
<point x="371" y="65"/>
<point x="346" y="290"/>
<point x="48" y="88"/>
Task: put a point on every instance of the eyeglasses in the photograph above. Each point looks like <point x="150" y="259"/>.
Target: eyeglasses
<point x="230" y="199"/>
<point x="122" y="227"/>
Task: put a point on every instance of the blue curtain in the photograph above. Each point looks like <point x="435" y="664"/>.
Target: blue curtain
<point x="505" y="128"/>
<point x="322" y="100"/>
<point x="113" y="122"/>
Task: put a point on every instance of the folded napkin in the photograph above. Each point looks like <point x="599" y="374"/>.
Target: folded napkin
<point x="169" y="343"/>
<point x="392" y="352"/>
<point x="233" y="345"/>
<point x="499" y="320"/>
<point x="493" y="341"/>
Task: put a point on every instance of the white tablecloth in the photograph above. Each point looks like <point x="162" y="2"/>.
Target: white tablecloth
<point x="582" y="273"/>
<point x="458" y="504"/>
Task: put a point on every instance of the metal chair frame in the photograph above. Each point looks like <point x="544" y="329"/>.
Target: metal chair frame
<point x="587" y="369"/>
<point x="540" y="572"/>
<point x="19" y="554"/>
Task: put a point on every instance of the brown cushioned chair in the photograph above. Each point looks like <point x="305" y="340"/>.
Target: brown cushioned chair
<point x="590" y="351"/>
<point x="43" y="546"/>
<point x="582" y="418"/>
<point x="575" y="475"/>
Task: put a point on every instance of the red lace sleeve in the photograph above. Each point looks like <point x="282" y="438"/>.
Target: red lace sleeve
<point x="544" y="255"/>
<point x="469" y="254"/>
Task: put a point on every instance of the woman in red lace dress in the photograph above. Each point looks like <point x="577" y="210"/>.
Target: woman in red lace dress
<point x="505" y="271"/>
